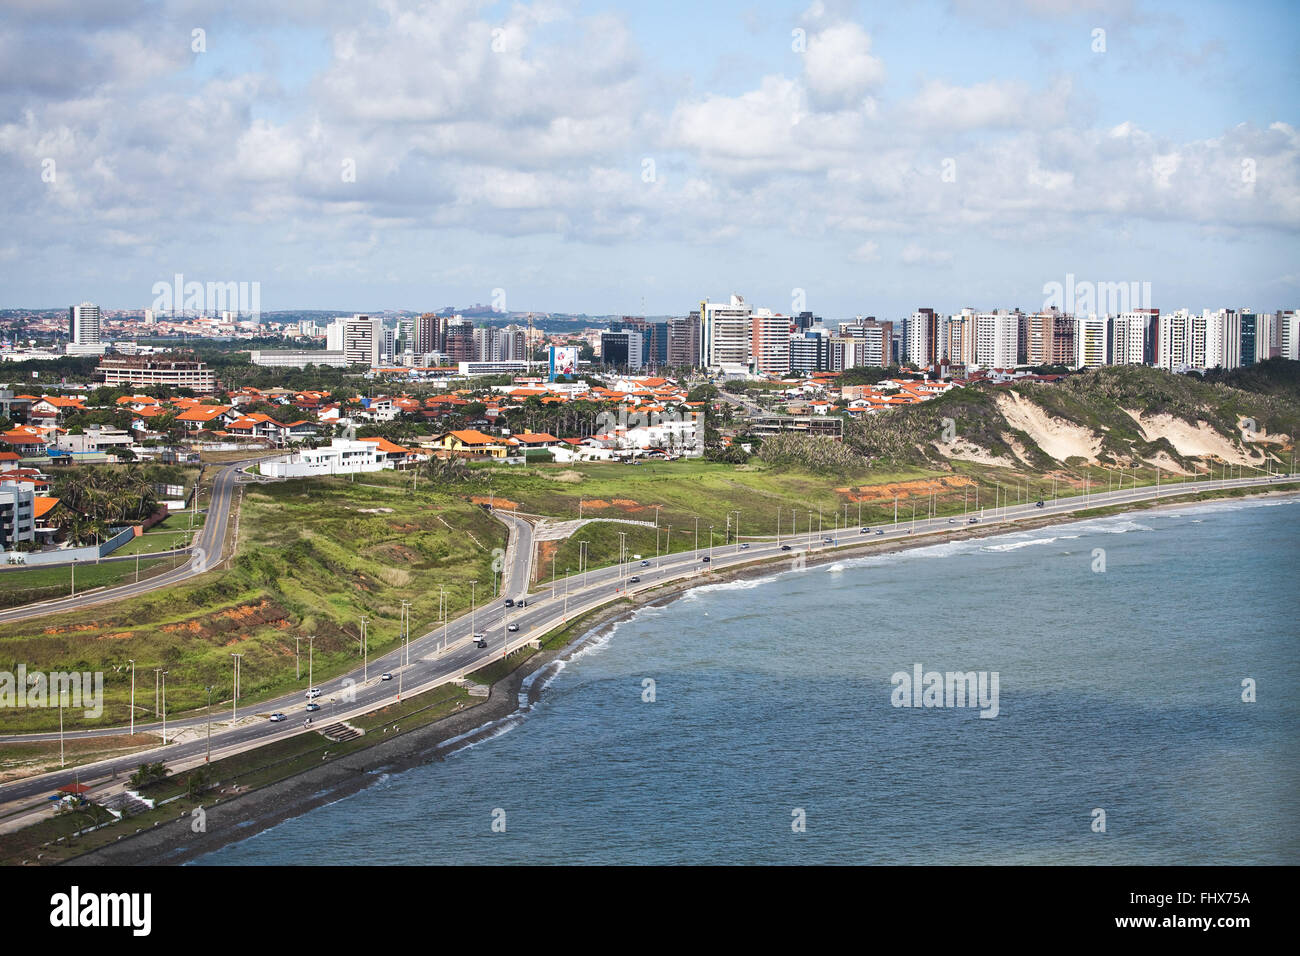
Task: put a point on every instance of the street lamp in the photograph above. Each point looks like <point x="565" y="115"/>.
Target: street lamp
<point x="132" y="663"/>
<point x="164" y="708"/>
<point x="208" y="757"/>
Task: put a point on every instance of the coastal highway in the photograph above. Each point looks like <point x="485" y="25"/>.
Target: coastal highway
<point x="447" y="652"/>
<point x="204" y="554"/>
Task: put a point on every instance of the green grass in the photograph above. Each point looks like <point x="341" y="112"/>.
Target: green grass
<point x="31" y="585"/>
<point x="315" y="556"/>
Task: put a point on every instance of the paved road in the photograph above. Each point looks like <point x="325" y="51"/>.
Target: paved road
<point x="447" y="651"/>
<point x="205" y="554"/>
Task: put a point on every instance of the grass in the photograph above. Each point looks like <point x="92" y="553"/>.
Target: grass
<point x="32" y="585"/>
<point x="315" y="556"/>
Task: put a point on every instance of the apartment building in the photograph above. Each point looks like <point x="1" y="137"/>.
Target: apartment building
<point x="361" y="339"/>
<point x="769" y="342"/>
<point x="1133" y="337"/>
<point x="146" y="370"/>
<point x="997" y="339"/>
<point x="725" y="333"/>
<point x="1091" y="340"/>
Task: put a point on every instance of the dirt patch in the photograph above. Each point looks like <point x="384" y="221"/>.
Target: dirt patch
<point x="1061" y="439"/>
<point x="504" y="503"/>
<point x="74" y="628"/>
<point x="546" y="551"/>
<point x="920" y="488"/>
<point x="571" y="477"/>
<point x="241" y="619"/>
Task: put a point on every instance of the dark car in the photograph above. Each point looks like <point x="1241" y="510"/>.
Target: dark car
<point x="706" y="559"/>
<point x="480" y="643"/>
<point x="521" y="603"/>
<point x="785" y="547"/>
<point x="1038" y="504"/>
<point x="510" y="602"/>
<point x="634" y="580"/>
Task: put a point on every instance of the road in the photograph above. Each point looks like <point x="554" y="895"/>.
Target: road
<point x="447" y="652"/>
<point x="205" y="554"/>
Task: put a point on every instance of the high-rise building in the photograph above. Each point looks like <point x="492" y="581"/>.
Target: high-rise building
<point x="1288" y="334"/>
<point x="360" y="339"/>
<point x="924" y="347"/>
<point x="1049" y="338"/>
<point x="621" y="348"/>
<point x="83" y="324"/>
<point x="1180" y="341"/>
<point x="1133" y="337"/>
<point x="426" y="333"/>
<point x="810" y="350"/>
<point x="459" y="340"/>
<point x="684" y="341"/>
<point x="1249" y="338"/>
<point x="997" y="339"/>
<point x="1091" y="340"/>
<point x="960" y="340"/>
<point x="1222" y="338"/>
<point x="724" y="333"/>
<point x="769" y="342"/>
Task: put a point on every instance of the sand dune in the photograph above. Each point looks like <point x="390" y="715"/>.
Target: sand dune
<point x="1189" y="439"/>
<point x="1055" y="436"/>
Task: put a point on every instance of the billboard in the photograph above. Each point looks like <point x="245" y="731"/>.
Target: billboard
<point x="564" y="360"/>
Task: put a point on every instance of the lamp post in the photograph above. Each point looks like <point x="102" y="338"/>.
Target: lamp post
<point x="164" y="708"/>
<point x="365" y="652"/>
<point x="132" y="663"/>
<point x="234" y="695"/>
<point x="207" y="758"/>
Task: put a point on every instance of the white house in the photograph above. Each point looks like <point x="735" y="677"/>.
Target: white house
<point x="340" y="457"/>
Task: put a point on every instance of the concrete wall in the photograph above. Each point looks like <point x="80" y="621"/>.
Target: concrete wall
<point x="33" y="559"/>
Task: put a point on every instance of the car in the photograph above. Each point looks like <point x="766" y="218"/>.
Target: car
<point x="880" y="531"/>
<point x="864" y="531"/>
<point x="634" y="580"/>
<point x="952" y="520"/>
<point x="972" y="520"/>
<point x="313" y="706"/>
<point x="785" y="547"/>
<point x="1038" y="504"/>
<point x="480" y="643"/>
<point x="520" y="602"/>
<point x="706" y="559"/>
<point x="277" y="717"/>
<point x="510" y="602"/>
<point x="744" y="547"/>
<point x="512" y="628"/>
<point x="386" y="677"/>
<point x="313" y="693"/>
<point x="827" y="540"/>
<point x="645" y="564"/>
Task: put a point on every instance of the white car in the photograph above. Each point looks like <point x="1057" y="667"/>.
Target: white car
<point x="313" y="693"/>
<point x="386" y="677"/>
<point x="512" y="628"/>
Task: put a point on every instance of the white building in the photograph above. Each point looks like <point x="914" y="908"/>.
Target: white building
<point x="725" y="332"/>
<point x="340" y="457"/>
<point x="1288" y="332"/>
<point x="1181" y="341"/>
<point x="997" y="339"/>
<point x="361" y="339"/>
<point x="1132" y="337"/>
<point x="83" y="324"/>
<point x="1222" y="338"/>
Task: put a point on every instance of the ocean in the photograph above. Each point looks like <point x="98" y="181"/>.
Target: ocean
<point x="756" y="721"/>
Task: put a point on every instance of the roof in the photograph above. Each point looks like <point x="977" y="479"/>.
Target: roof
<point x="202" y="413"/>
<point x="472" y="436"/>
<point x="43" y="505"/>
<point x="387" y="447"/>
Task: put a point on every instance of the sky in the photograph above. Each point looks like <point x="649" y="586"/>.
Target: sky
<point x="607" y="157"/>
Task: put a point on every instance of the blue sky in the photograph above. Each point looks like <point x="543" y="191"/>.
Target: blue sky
<point x="937" y="153"/>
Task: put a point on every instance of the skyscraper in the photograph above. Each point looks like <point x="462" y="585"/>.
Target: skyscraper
<point x="83" y="324"/>
<point x="724" y="333"/>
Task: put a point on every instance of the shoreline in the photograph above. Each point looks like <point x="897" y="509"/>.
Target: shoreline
<point x="238" y="818"/>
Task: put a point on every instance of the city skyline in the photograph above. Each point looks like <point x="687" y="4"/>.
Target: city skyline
<point x="590" y="158"/>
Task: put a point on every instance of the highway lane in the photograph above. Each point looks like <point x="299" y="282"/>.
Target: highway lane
<point x="205" y="554"/>
<point x="447" y="651"/>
